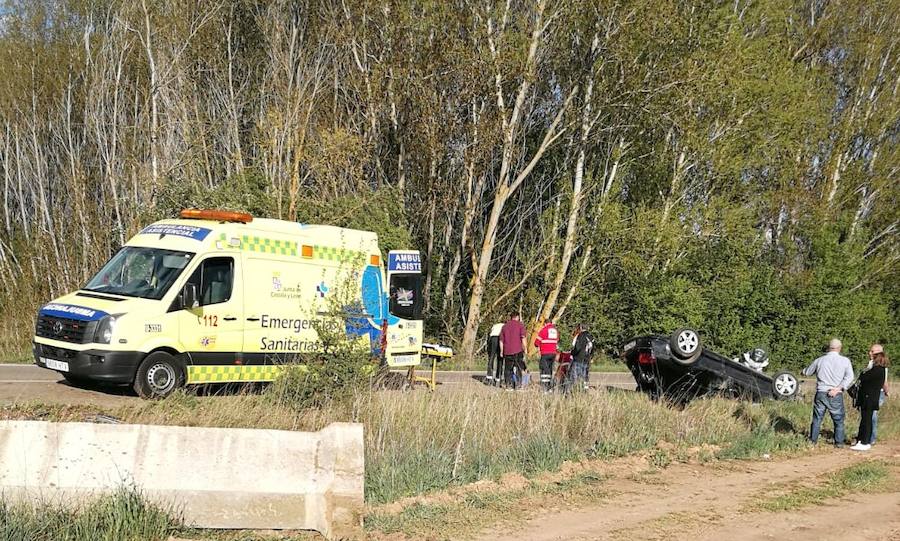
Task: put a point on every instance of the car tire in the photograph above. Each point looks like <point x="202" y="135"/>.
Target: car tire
<point x="159" y="375"/>
<point x="785" y="385"/>
<point x="685" y="345"/>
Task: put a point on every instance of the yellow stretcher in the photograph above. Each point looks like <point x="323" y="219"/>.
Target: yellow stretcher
<point x="433" y="353"/>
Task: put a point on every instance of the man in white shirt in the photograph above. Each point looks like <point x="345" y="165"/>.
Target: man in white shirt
<point x="494" y="368"/>
<point x="834" y="373"/>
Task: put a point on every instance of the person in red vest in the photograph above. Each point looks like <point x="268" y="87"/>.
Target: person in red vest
<point x="547" y="342"/>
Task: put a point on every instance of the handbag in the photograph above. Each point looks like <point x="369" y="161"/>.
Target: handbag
<point x="853" y="390"/>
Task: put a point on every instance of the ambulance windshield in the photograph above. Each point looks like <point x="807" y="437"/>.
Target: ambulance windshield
<point x="140" y="272"/>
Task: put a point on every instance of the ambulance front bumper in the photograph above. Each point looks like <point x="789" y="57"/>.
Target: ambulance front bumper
<point x="94" y="364"/>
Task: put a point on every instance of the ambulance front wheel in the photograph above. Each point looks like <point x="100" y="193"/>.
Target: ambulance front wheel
<point x="158" y="375"/>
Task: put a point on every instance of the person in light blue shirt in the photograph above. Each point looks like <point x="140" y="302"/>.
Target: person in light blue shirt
<point x="834" y="374"/>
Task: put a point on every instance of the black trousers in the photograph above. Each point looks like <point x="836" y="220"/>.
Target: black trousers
<point x="865" y="425"/>
<point x="493" y="360"/>
<point x="513" y="364"/>
<point x="546" y="365"/>
<point x="498" y="367"/>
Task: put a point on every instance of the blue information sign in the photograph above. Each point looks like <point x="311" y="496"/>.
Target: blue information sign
<point x="405" y="262"/>
<point x="177" y="230"/>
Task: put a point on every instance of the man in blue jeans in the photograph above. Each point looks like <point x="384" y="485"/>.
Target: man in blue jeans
<point x="881" y="399"/>
<point x="834" y="374"/>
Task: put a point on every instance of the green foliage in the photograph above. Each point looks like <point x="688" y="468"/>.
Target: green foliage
<point x="122" y="516"/>
<point x="755" y="144"/>
<point x="321" y="380"/>
<point x="382" y="211"/>
<point x="248" y="192"/>
<point x="334" y="374"/>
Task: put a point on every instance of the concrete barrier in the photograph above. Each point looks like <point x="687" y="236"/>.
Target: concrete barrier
<point x="212" y="477"/>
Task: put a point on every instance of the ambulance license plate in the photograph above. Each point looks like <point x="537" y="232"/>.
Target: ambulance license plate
<point x="53" y="364"/>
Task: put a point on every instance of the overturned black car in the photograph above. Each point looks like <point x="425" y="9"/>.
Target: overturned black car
<point x="678" y="368"/>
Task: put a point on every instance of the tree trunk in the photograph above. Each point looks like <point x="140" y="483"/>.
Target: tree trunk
<point x="505" y="187"/>
<point x="562" y="270"/>
<point x="154" y="101"/>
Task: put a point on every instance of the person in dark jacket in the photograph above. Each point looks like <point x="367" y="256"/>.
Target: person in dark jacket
<point x="870" y="384"/>
<point x="582" y="349"/>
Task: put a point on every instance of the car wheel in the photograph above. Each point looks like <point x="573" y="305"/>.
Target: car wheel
<point x="685" y="345"/>
<point x="158" y="376"/>
<point x="785" y="385"/>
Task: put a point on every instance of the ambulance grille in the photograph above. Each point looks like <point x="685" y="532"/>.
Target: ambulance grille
<point x="64" y="329"/>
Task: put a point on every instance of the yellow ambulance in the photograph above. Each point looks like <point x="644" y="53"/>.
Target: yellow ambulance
<point x="219" y="296"/>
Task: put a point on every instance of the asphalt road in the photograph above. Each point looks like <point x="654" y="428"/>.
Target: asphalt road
<point x="26" y="382"/>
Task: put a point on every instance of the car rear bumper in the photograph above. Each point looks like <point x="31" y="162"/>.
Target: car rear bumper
<point x="94" y="364"/>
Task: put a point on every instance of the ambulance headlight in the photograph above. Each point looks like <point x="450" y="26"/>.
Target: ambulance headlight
<point x="106" y="328"/>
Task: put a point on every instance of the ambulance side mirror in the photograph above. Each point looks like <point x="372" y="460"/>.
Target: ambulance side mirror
<point x="189" y="296"/>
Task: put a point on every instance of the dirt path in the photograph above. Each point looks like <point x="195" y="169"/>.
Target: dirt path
<point x="693" y="502"/>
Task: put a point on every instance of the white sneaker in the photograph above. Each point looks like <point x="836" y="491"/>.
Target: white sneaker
<point x="861" y="447"/>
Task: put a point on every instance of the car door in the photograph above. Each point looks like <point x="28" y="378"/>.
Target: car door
<point x="212" y="331"/>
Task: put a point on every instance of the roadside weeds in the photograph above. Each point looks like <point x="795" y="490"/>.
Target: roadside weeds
<point x="445" y="464"/>
<point x="869" y="476"/>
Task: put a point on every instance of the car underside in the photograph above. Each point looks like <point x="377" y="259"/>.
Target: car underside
<point x="678" y="368"/>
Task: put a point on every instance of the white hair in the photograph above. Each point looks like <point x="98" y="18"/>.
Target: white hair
<point x="835" y="344"/>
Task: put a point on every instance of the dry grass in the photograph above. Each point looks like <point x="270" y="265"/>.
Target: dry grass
<point x="417" y="442"/>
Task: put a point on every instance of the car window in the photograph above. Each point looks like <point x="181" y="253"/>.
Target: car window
<point x="214" y="279"/>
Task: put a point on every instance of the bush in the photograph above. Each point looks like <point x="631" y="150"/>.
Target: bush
<point x="333" y="375"/>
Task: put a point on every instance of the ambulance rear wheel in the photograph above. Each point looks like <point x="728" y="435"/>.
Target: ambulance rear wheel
<point x="158" y="376"/>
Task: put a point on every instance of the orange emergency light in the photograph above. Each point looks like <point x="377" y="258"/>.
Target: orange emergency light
<point x="216" y="215"/>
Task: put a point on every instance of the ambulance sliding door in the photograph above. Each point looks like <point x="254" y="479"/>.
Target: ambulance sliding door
<point x="283" y="302"/>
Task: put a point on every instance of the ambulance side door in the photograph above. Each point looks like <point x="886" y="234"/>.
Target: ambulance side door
<point x="213" y="329"/>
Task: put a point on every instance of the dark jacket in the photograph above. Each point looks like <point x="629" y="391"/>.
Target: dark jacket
<point x="870" y="383"/>
<point x="583" y="347"/>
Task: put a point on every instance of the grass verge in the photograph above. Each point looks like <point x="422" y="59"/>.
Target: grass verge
<point x="122" y="516"/>
<point x="469" y="514"/>
<point x="419" y="442"/>
<point x="871" y="476"/>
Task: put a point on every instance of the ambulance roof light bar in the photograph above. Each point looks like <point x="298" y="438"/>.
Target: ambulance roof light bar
<point x="216" y="215"/>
